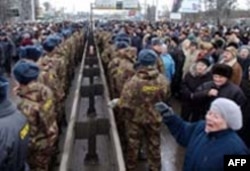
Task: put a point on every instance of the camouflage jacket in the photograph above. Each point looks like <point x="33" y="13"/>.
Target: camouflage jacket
<point x="37" y="104"/>
<point x="141" y="92"/>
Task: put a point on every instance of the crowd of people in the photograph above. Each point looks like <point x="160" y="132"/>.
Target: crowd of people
<point x="206" y="69"/>
<point x="41" y="58"/>
<point x="146" y="65"/>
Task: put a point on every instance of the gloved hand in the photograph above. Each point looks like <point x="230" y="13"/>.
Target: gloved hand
<point x="164" y="109"/>
<point x="113" y="103"/>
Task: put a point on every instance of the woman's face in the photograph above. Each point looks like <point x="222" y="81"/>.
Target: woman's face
<point x="244" y="53"/>
<point x="214" y="122"/>
<point x="201" y="68"/>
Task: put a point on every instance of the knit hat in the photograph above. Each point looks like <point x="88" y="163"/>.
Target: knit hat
<point x="147" y="57"/>
<point x="230" y="111"/>
<point x="232" y="50"/>
<point x="4" y="84"/>
<point x="25" y="72"/>
<point x="30" y="52"/>
<point x="121" y="45"/>
<point x="223" y="70"/>
<point x="204" y="61"/>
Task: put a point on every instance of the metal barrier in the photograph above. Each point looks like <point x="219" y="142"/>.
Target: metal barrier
<point x="92" y="126"/>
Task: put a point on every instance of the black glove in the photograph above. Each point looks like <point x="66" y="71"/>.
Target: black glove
<point x="164" y="109"/>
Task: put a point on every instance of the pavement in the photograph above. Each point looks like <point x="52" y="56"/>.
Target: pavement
<point x="172" y="154"/>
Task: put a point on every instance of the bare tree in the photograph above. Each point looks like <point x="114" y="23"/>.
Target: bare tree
<point x="224" y="9"/>
<point x="248" y="4"/>
<point x="47" y="6"/>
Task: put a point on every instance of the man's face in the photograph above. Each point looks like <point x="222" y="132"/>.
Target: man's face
<point x="227" y="56"/>
<point x="157" y="48"/>
<point x="219" y="80"/>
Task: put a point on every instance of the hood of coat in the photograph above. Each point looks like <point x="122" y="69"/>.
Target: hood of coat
<point x="7" y="108"/>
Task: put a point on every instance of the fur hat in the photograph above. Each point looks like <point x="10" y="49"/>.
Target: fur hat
<point x="222" y="70"/>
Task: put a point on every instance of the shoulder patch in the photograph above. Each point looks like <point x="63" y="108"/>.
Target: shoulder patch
<point x="47" y="105"/>
<point x="24" y="131"/>
<point x="150" y="89"/>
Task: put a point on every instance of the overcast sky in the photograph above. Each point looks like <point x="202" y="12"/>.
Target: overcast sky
<point x="84" y="5"/>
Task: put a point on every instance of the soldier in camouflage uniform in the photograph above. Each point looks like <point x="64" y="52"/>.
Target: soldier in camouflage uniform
<point x="37" y="104"/>
<point x="113" y="67"/>
<point x="55" y="63"/>
<point x="121" y="68"/>
<point x="156" y="45"/>
<point x="138" y="97"/>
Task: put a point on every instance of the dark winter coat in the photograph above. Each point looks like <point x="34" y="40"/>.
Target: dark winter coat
<point x="204" y="152"/>
<point x="14" y="138"/>
<point x="228" y="90"/>
<point x="189" y="85"/>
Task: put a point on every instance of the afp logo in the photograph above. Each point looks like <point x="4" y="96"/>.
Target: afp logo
<point x="236" y="162"/>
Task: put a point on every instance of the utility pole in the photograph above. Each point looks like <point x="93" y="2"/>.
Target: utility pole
<point x="33" y="10"/>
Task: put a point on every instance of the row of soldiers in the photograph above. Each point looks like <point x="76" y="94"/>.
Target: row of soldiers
<point x="135" y="85"/>
<point x="43" y="81"/>
<point x="200" y="66"/>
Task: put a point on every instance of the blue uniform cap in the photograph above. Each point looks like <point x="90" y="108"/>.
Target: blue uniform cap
<point x="49" y="45"/>
<point x="156" y="41"/>
<point x="147" y="57"/>
<point x="25" y="72"/>
<point x="4" y="84"/>
<point x="31" y="52"/>
<point x="121" y="45"/>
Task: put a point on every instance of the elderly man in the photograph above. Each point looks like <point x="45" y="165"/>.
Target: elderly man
<point x="207" y="141"/>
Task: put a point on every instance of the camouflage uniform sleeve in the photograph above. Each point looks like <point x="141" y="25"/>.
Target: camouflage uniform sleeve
<point x="165" y="86"/>
<point x="48" y="107"/>
<point x="127" y="94"/>
<point x="160" y="65"/>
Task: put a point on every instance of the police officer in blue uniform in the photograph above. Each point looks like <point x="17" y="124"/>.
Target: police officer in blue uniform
<point x="14" y="133"/>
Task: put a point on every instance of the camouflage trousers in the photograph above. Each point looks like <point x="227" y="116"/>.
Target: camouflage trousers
<point x="120" y="122"/>
<point x="40" y="160"/>
<point x="151" y="131"/>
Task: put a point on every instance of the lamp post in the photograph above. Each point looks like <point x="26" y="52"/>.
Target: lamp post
<point x="91" y="14"/>
<point x="33" y="10"/>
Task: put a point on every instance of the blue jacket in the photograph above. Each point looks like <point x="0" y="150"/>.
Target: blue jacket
<point x="204" y="152"/>
<point x="14" y="138"/>
<point x="169" y="66"/>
